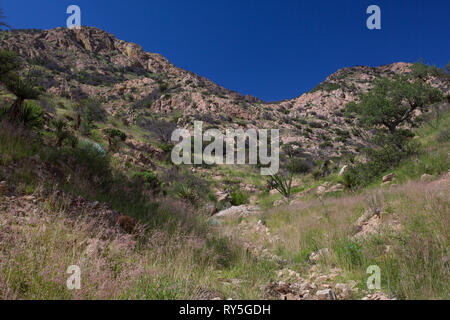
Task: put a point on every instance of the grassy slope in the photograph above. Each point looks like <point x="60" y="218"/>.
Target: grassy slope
<point x="414" y="260"/>
<point x="183" y="257"/>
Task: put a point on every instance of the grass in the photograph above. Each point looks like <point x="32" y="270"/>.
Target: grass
<point x="178" y="257"/>
<point x="416" y="264"/>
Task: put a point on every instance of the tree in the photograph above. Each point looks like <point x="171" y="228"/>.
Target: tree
<point x="423" y="72"/>
<point x="162" y="129"/>
<point x="393" y="102"/>
<point x="114" y="137"/>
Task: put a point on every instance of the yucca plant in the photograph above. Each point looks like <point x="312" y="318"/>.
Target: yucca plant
<point x="23" y="89"/>
<point x="62" y="133"/>
<point x="282" y="183"/>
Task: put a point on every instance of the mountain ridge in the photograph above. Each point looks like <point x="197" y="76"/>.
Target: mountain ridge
<point x="134" y="86"/>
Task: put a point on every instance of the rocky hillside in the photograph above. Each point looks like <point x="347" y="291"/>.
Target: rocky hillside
<point x="134" y="86"/>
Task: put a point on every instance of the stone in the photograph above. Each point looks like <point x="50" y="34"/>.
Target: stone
<point x="210" y="208"/>
<point x="3" y="187"/>
<point x="426" y="178"/>
<point x="342" y="290"/>
<point x="223" y="196"/>
<point x="321" y="190"/>
<point x="376" y="296"/>
<point x="94" y="246"/>
<point x="326" y="294"/>
<point x="316" y="256"/>
<point x="336" y="188"/>
<point x="321" y="279"/>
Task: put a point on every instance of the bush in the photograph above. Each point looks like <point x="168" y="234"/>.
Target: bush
<point x="301" y="166"/>
<point x="238" y="198"/>
<point x="88" y="160"/>
<point x="150" y="179"/>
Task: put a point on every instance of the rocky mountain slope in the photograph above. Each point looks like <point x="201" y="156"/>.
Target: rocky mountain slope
<point x="134" y="86"/>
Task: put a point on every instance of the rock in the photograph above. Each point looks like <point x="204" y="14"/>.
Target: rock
<point x="336" y="188"/>
<point x="94" y="246"/>
<point x="239" y="211"/>
<point x="321" y="190"/>
<point x="321" y="279"/>
<point x="426" y="178"/>
<point x="343" y="290"/>
<point x="223" y="196"/>
<point x="95" y="204"/>
<point x="28" y="198"/>
<point x="342" y="171"/>
<point x="326" y="294"/>
<point x="3" y="187"/>
<point x="316" y="256"/>
<point x="210" y="208"/>
<point x="376" y="296"/>
<point x="389" y="177"/>
<point x="273" y="191"/>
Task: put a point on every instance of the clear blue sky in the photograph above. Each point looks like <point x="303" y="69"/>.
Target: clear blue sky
<point x="274" y="49"/>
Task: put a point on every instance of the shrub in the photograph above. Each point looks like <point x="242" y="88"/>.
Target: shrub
<point x="114" y="136"/>
<point x="150" y="179"/>
<point x="301" y="166"/>
<point x="238" y="198"/>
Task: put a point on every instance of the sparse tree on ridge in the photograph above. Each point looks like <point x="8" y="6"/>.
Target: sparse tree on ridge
<point x="393" y="102"/>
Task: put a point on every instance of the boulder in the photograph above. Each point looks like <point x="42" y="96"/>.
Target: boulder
<point x="210" y="208"/>
<point x="426" y="178"/>
<point x="326" y="294"/>
<point x="321" y="190"/>
<point x="336" y="188"/>
<point x="343" y="290"/>
<point x="3" y="187"/>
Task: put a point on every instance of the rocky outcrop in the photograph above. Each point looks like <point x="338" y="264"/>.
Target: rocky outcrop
<point x="132" y="83"/>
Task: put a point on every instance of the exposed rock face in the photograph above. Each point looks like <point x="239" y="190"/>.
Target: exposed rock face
<point x="132" y="83"/>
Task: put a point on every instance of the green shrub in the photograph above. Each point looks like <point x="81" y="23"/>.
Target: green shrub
<point x="238" y="198"/>
<point x="301" y="166"/>
<point x="150" y="179"/>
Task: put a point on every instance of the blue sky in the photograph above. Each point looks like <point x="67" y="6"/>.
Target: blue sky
<point x="270" y="49"/>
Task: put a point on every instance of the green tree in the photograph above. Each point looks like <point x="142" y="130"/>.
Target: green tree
<point x="88" y="111"/>
<point x="392" y="102"/>
<point x="423" y="71"/>
<point x="114" y="136"/>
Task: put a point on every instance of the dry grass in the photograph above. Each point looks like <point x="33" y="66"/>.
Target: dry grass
<point x="39" y="241"/>
<point x="411" y="245"/>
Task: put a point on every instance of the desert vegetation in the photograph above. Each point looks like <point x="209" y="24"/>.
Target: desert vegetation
<point x="86" y="179"/>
